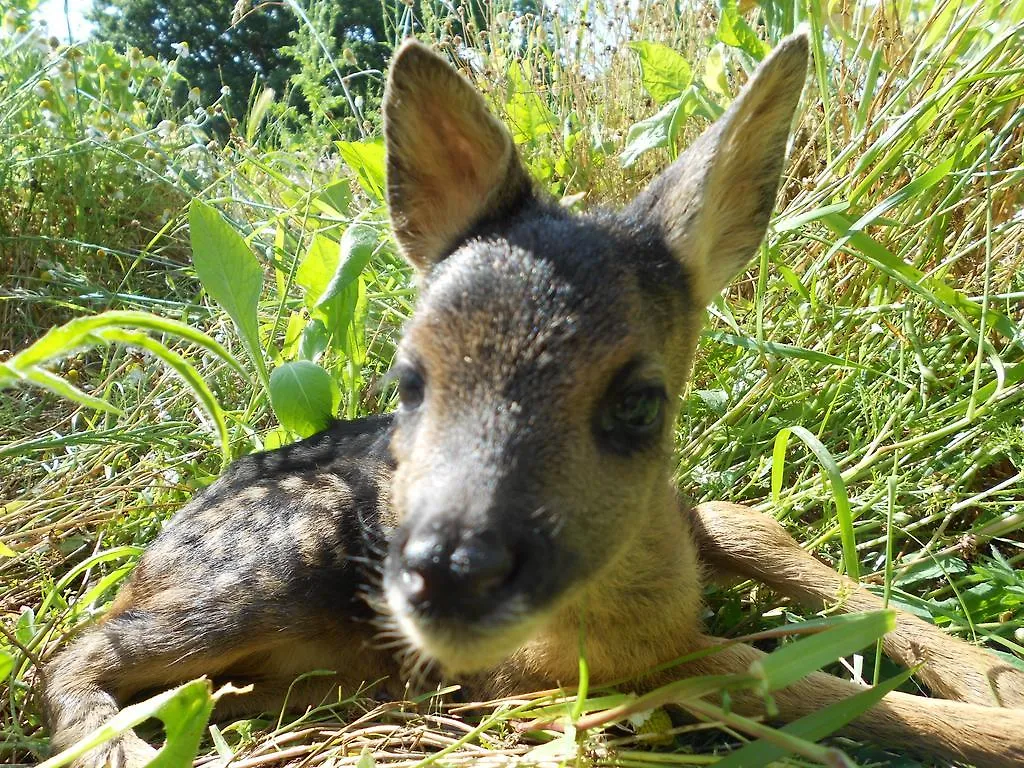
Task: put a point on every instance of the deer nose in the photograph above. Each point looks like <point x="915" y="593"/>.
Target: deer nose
<point x="442" y="572"/>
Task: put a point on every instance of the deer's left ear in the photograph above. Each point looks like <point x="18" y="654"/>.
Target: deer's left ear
<point x="450" y="162"/>
<point x="713" y="204"/>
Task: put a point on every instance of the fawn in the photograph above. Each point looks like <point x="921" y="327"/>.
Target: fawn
<point x="524" y="484"/>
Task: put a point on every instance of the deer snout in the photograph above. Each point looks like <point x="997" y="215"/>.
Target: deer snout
<point x="443" y="572"/>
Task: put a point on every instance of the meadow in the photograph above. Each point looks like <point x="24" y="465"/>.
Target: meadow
<point x="181" y="285"/>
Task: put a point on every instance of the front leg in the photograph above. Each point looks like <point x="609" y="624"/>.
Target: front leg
<point x="737" y="540"/>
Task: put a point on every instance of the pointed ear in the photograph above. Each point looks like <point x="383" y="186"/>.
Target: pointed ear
<point x="713" y="204"/>
<point x="450" y="163"/>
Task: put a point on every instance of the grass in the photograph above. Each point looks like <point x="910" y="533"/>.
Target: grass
<point x="880" y="330"/>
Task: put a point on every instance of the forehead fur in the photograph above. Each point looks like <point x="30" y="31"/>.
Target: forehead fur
<point x="525" y="287"/>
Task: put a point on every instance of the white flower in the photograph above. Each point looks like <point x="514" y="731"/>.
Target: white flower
<point x="181" y="49"/>
<point x="164" y="129"/>
<point x="225" y="90"/>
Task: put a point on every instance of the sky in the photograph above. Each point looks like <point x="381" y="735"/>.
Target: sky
<point x="52" y="13"/>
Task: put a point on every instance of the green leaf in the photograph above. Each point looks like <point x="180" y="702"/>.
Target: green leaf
<point x="659" y="130"/>
<point x="783" y="350"/>
<point x="331" y="266"/>
<point x="664" y="73"/>
<point x="528" y="115"/>
<point x="304" y="397"/>
<point x="184" y="711"/>
<point x="6" y="551"/>
<point x="734" y="31"/>
<point x="58" y="386"/>
<point x="333" y="291"/>
<point x="714" y="77"/>
<point x="6" y="664"/>
<point x="229" y="272"/>
<point x="835" y="478"/>
<point x="180" y="366"/>
<point x="366" y="160"/>
<point x="815" y="726"/>
<point x="357" y="247"/>
<point x="796" y="660"/>
<point x="81" y="331"/>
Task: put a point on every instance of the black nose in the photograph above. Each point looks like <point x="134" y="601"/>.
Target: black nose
<point x="444" y="572"/>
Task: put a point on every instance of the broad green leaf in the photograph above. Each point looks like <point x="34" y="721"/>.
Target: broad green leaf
<point x="815" y="726"/>
<point x="330" y="276"/>
<point x="357" y="247"/>
<point x="229" y="272"/>
<point x="734" y="31"/>
<point x="184" y="712"/>
<point x="304" y="397"/>
<point x="366" y="160"/>
<point x="659" y="130"/>
<point x="6" y="551"/>
<point x="714" y="77"/>
<point x="314" y="340"/>
<point x="317" y="269"/>
<point x="835" y="478"/>
<point x="797" y="659"/>
<point x="529" y="117"/>
<point x="664" y="73"/>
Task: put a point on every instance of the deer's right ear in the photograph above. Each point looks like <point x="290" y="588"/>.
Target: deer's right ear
<point x="450" y="163"/>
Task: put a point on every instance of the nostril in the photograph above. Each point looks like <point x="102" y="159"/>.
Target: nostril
<point x="413" y="584"/>
<point x="483" y="565"/>
<point x="440" y="571"/>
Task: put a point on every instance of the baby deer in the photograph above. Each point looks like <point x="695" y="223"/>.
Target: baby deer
<point x="523" y="486"/>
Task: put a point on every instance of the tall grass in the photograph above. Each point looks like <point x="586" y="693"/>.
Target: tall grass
<point x="864" y="383"/>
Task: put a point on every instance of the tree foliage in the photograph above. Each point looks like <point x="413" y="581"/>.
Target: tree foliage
<point x="239" y="44"/>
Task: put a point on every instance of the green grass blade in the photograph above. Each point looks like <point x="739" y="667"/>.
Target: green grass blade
<point x="813" y="727"/>
<point x="835" y="478"/>
<point x="796" y="660"/>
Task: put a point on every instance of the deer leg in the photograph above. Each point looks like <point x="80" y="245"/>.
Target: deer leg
<point x="737" y="540"/>
<point x="987" y="737"/>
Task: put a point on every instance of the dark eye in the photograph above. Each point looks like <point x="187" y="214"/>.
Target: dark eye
<point x="410" y="388"/>
<point x="636" y="410"/>
<point x="631" y="417"/>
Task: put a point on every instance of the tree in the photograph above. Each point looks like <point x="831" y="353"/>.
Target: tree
<point x="235" y="44"/>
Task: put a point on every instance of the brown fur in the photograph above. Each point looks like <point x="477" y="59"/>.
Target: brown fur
<point x="522" y="490"/>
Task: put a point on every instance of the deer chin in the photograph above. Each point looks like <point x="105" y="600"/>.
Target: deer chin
<point x="462" y="646"/>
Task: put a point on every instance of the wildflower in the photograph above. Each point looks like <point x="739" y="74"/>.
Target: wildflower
<point x="165" y="129"/>
<point x="350" y="57"/>
<point x="193" y="94"/>
<point x="181" y="49"/>
<point x="225" y="90"/>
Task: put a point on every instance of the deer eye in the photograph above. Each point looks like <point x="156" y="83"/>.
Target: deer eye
<point x="631" y="417"/>
<point x="637" y="409"/>
<point x="411" y="387"/>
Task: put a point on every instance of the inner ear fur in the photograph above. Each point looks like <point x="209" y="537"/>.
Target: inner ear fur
<point x="450" y="162"/>
<point x="713" y="204"/>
